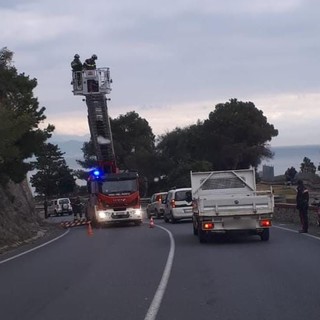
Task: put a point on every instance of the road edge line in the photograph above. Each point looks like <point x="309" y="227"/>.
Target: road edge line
<point x="35" y="248"/>
<point x="295" y="231"/>
<point x="156" y="302"/>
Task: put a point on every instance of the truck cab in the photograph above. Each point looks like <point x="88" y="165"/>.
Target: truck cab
<point x="115" y="199"/>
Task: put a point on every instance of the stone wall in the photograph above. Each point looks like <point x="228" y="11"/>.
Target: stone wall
<point x="286" y="212"/>
<point x="18" y="218"/>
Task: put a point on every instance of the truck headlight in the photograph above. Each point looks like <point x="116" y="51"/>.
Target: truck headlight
<point x="102" y="215"/>
<point x="135" y="212"/>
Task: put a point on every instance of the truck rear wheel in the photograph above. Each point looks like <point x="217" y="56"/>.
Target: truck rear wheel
<point x="265" y="235"/>
<point x="202" y="236"/>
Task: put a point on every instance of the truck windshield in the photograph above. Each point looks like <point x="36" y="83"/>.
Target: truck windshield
<point x="223" y="183"/>
<point x="121" y="186"/>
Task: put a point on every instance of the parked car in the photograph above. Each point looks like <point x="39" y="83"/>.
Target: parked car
<point x="60" y="207"/>
<point x="178" y="205"/>
<point x="156" y="206"/>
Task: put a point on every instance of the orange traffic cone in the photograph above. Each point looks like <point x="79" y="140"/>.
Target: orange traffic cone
<point x="89" y="230"/>
<point x="151" y="224"/>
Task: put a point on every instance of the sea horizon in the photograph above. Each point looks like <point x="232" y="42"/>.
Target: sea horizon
<point x="291" y="156"/>
<point x="284" y="156"/>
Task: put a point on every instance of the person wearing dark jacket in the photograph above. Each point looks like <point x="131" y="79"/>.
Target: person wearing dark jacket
<point x="90" y="64"/>
<point x="77" y="208"/>
<point x="302" y="200"/>
<point x="76" y="64"/>
<point x="77" y="67"/>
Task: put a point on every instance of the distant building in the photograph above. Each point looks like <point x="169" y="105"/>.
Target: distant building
<point x="267" y="173"/>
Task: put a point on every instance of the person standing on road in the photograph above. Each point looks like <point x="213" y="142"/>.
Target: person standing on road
<point x="77" y="208"/>
<point x="45" y="206"/>
<point x="302" y="200"/>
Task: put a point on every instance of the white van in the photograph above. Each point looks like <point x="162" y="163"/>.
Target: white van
<point x="178" y="205"/>
<point x="60" y="207"/>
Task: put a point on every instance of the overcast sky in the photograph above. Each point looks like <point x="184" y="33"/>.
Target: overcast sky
<point x="172" y="61"/>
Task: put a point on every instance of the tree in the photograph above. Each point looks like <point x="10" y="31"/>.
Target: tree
<point x="89" y="161"/>
<point x="235" y="136"/>
<point x="89" y="156"/>
<point x="53" y="177"/>
<point x="20" y="117"/>
<point x="134" y="148"/>
<point x="181" y="151"/>
<point x="290" y="174"/>
<point x="238" y="135"/>
<point x="307" y="166"/>
<point x="134" y="142"/>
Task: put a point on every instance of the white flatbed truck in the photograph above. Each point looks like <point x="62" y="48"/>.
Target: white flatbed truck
<point x="228" y="202"/>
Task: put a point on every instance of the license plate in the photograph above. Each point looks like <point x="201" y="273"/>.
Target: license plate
<point x="187" y="210"/>
<point x="119" y="213"/>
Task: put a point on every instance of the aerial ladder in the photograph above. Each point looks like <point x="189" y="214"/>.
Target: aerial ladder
<point x="113" y="194"/>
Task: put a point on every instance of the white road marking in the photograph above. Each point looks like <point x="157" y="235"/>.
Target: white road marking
<point x="295" y="231"/>
<point x="35" y="248"/>
<point x="156" y="302"/>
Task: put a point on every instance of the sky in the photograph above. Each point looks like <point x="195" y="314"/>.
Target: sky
<point x="173" y="61"/>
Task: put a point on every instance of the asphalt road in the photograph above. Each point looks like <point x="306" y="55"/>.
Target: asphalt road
<point x="163" y="273"/>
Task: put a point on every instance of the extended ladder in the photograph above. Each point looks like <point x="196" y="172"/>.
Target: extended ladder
<point x="94" y="85"/>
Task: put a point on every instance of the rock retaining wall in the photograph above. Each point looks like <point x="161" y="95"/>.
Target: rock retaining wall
<point x="286" y="212"/>
<point x="18" y="219"/>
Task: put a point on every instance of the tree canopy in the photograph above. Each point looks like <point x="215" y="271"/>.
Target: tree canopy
<point x="307" y="166"/>
<point x="134" y="145"/>
<point x="239" y="134"/>
<point x="290" y="174"/>
<point x="20" y="116"/>
<point x="235" y="136"/>
<point x="53" y="176"/>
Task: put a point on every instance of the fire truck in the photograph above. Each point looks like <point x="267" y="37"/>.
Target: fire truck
<point x="113" y="194"/>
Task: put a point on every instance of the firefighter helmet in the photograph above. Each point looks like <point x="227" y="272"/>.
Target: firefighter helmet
<point x="76" y="56"/>
<point x="94" y="57"/>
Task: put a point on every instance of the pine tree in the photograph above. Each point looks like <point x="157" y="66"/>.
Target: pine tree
<point x="20" y="116"/>
<point x="53" y="177"/>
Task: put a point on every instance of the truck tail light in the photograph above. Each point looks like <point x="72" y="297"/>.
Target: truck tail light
<point x="265" y="223"/>
<point x="173" y="203"/>
<point x="207" y="225"/>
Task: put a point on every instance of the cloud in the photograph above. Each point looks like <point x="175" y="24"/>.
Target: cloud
<point x="293" y="115"/>
<point x="31" y="28"/>
<point x="173" y="61"/>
